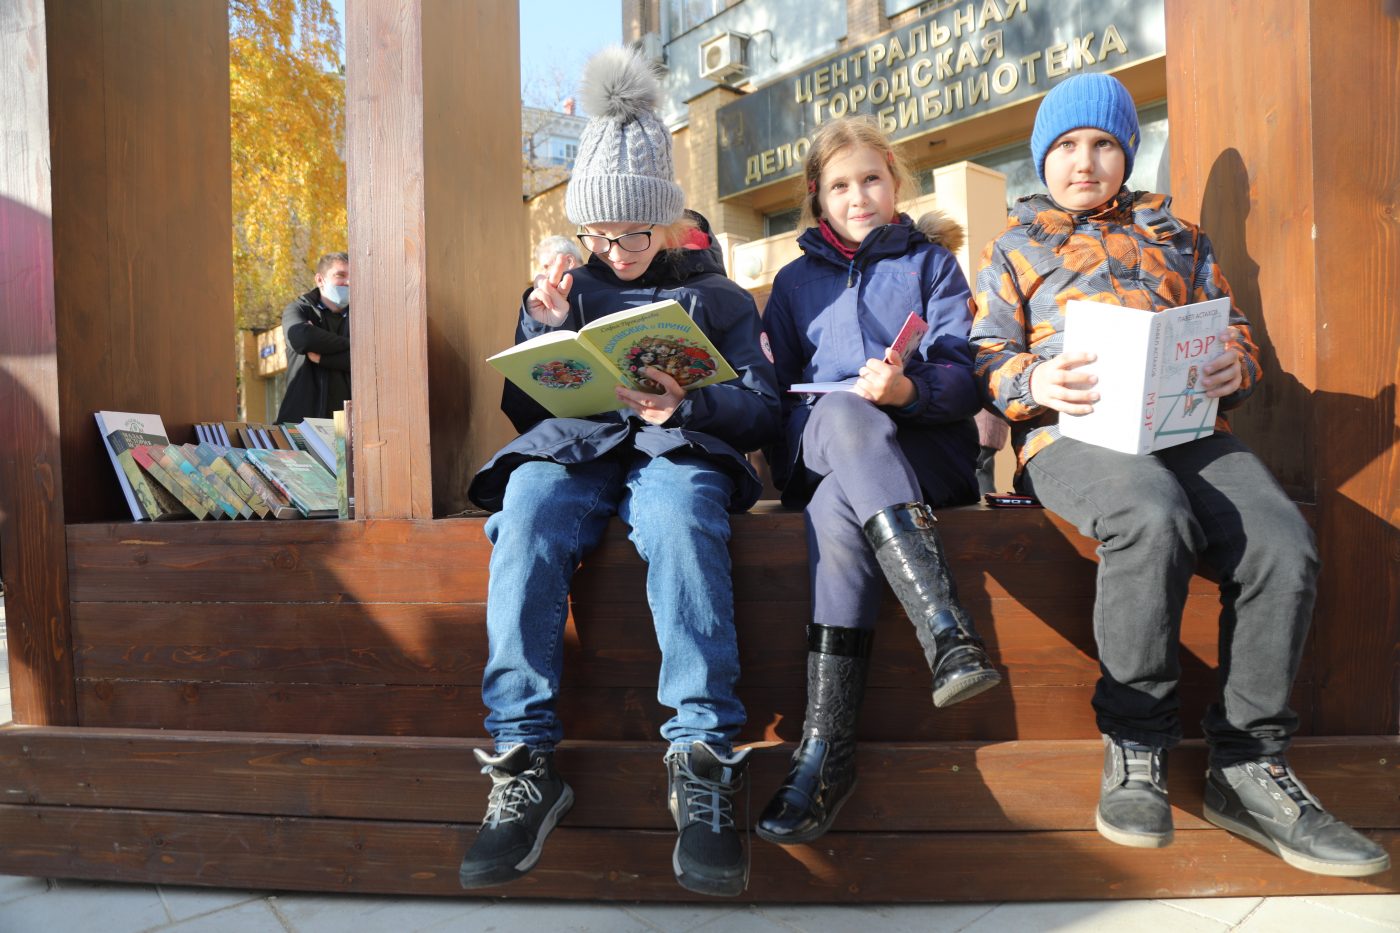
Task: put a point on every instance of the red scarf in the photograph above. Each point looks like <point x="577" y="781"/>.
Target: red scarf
<point x="837" y="243"/>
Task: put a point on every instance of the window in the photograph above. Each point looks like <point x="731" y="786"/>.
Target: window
<point x="781" y="222"/>
<point x="685" y="15"/>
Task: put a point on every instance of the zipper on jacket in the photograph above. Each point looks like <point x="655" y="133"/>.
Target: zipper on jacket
<point x="851" y="273"/>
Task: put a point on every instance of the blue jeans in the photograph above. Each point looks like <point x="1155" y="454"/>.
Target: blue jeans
<point x="553" y="515"/>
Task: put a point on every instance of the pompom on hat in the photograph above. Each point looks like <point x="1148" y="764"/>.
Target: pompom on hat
<point x="1086" y="100"/>
<point x="623" y="172"/>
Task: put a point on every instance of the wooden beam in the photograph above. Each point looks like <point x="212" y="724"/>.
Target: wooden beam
<point x="31" y="471"/>
<point x="437" y="240"/>
<point x="904" y="786"/>
<point x="389" y="344"/>
<point x="367" y="857"/>
<point x="1298" y="191"/>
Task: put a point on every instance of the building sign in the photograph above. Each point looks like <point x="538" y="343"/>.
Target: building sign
<point x="965" y="60"/>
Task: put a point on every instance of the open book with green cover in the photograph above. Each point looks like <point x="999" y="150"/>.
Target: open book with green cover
<point x="574" y="374"/>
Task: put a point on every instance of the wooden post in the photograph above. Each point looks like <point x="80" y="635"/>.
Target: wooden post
<point x="1285" y="136"/>
<point x="38" y="622"/>
<point x="437" y="242"/>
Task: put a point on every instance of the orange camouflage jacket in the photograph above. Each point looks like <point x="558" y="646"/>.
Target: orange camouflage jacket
<point x="1131" y="252"/>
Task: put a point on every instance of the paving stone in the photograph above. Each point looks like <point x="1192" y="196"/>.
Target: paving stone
<point x="1301" y="913"/>
<point x="72" y="906"/>
<point x="184" y="903"/>
<point x="250" y="917"/>
<point x="317" y="913"/>
<point x="1094" y="917"/>
<point x="879" y="918"/>
<point x="1229" y="910"/>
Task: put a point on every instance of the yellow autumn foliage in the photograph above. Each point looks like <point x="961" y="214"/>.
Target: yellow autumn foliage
<point x="288" y="136"/>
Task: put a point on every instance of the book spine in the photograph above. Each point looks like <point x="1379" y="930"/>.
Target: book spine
<point x="1147" y="426"/>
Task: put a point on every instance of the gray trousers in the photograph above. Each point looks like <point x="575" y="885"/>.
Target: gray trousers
<point x="1155" y="516"/>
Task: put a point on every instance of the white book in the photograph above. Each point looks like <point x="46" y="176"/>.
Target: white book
<point x="109" y="421"/>
<point x="1150" y="367"/>
<point x="820" y="388"/>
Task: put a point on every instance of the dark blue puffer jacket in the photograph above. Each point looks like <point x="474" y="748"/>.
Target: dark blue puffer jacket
<point x="828" y="314"/>
<point x="718" y="422"/>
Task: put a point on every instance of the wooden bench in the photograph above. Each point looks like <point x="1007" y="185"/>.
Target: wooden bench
<point x="293" y="706"/>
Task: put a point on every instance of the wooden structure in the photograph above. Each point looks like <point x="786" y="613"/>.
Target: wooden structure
<point x="292" y="705"/>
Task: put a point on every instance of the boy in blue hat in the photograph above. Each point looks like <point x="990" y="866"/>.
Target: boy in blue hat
<point x="1155" y="515"/>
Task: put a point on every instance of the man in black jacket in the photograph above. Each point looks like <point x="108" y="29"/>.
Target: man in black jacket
<point x="317" y="327"/>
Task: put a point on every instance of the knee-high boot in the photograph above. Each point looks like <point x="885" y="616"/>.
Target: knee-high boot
<point x="911" y="556"/>
<point x="823" y="771"/>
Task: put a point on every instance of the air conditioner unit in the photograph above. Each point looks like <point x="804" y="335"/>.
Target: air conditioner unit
<point x="724" y="57"/>
<point x="650" y="47"/>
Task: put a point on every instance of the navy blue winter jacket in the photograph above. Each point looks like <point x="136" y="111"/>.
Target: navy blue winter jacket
<point x="828" y="314"/>
<point x="718" y="422"/>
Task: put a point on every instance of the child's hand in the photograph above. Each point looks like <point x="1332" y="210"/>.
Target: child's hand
<point x="884" y="383"/>
<point x="1057" y="384"/>
<point x="548" y="302"/>
<point x="1224" y="374"/>
<point x="654" y="409"/>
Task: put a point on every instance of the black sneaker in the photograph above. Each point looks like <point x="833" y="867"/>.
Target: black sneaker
<point x="709" y="857"/>
<point x="528" y="798"/>
<point x="1265" y="802"/>
<point x="1133" y="809"/>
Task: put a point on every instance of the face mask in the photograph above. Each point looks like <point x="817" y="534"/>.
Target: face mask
<point x="340" y="294"/>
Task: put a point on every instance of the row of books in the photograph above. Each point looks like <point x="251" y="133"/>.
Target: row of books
<point x="313" y="435"/>
<point x="163" y="481"/>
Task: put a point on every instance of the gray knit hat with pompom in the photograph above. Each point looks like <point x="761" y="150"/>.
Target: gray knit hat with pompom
<point x="623" y="173"/>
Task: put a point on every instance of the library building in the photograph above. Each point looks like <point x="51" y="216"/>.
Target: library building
<point x="285" y="697"/>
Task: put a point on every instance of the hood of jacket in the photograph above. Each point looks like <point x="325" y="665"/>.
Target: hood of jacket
<point x="1050" y="224"/>
<point x="892" y="239"/>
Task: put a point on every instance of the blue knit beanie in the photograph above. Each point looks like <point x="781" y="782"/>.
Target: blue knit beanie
<point x="1086" y="100"/>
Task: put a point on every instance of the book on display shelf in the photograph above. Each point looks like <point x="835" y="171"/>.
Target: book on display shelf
<point x="136" y="422"/>
<point x="157" y="502"/>
<point x="308" y="485"/>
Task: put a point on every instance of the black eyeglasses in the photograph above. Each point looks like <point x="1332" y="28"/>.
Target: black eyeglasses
<point x="636" y="242"/>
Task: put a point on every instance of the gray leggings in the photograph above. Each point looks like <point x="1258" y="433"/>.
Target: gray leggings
<point x="855" y="447"/>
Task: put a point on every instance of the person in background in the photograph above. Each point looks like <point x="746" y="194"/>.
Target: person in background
<point x="1155" y="515"/>
<point x="317" y="330"/>
<point x="550" y="247"/>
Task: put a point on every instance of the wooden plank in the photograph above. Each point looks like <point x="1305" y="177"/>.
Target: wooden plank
<point x="31" y="463"/>
<point x="388" y="251"/>
<point x="595" y="712"/>
<point x="1025" y="555"/>
<point x="446" y="643"/>
<point x="349" y="856"/>
<point x="945" y="787"/>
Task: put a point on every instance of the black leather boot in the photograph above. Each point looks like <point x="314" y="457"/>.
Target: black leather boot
<point x="911" y="557"/>
<point x="823" y="771"/>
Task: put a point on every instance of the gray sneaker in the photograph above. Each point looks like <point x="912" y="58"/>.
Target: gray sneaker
<point x="1265" y="802"/>
<point x="1133" y="809"/>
